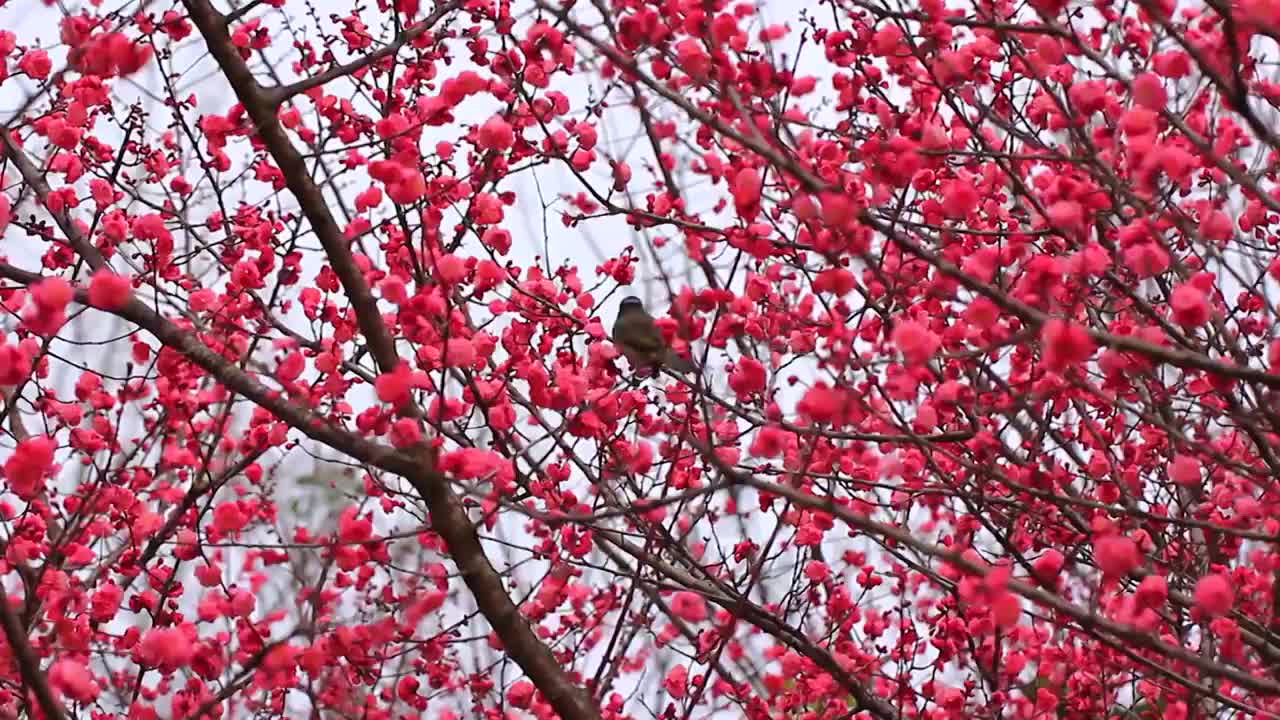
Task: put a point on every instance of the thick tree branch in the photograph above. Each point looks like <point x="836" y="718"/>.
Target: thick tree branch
<point x="258" y="104"/>
<point x="28" y="664"/>
<point x="448" y="515"/>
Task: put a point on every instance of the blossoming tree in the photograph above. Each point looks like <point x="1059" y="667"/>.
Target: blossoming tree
<point x="309" y="408"/>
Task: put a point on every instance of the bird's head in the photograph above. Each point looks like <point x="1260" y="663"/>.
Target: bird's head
<point x="631" y="304"/>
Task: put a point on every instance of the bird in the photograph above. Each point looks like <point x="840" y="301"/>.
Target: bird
<point x="635" y="333"/>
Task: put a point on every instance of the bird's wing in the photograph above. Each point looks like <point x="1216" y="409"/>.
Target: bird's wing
<point x="639" y="334"/>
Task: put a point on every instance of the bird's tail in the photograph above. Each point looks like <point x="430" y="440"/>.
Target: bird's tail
<point x="679" y="363"/>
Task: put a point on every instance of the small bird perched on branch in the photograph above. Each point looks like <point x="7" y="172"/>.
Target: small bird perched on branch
<point x="640" y="340"/>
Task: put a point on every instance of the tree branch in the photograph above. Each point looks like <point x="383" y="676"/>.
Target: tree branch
<point x="258" y="104"/>
<point x="28" y="664"/>
<point x="448" y="516"/>
<point x="280" y="94"/>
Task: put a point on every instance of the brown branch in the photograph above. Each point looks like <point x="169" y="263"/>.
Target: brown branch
<point x="448" y="516"/>
<point x="728" y="598"/>
<point x="812" y="183"/>
<point x="28" y="664"/>
<point x="188" y="501"/>
<point x="257" y="102"/>
<point x="1127" y="343"/>
<point x="1038" y="595"/>
<point x="32" y="176"/>
<point x="229" y="374"/>
<point x="242" y="678"/>
<point x="280" y="94"/>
